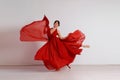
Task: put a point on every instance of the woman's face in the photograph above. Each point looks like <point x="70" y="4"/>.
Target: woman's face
<point x="56" y="24"/>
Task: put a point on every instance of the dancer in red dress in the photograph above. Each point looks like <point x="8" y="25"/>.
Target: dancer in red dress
<point x="58" y="51"/>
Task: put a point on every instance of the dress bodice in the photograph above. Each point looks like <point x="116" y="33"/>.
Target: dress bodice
<point x="53" y="35"/>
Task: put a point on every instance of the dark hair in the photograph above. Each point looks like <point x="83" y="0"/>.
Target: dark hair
<point x="57" y="21"/>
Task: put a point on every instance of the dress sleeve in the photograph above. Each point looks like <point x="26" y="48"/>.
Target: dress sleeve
<point x="35" y="31"/>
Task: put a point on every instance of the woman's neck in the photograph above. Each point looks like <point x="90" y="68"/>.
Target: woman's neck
<point x="55" y="27"/>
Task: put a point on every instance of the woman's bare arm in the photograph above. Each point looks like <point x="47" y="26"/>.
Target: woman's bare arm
<point x="59" y="35"/>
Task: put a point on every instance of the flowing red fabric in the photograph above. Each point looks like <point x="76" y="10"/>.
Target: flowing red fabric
<point x="35" y="31"/>
<point x="56" y="53"/>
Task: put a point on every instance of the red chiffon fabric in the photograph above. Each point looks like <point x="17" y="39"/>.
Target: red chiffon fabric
<point x="35" y="31"/>
<point x="56" y="53"/>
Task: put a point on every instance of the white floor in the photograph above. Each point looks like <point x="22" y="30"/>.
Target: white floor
<point x="76" y="73"/>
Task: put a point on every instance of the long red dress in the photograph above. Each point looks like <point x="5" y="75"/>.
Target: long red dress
<point x="56" y="53"/>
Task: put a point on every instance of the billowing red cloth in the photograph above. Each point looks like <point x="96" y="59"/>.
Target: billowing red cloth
<point x="35" y="31"/>
<point x="56" y="53"/>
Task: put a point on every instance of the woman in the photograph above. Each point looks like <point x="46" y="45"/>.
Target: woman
<point x="58" y="51"/>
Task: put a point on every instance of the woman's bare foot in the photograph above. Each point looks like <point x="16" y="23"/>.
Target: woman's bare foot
<point x="86" y="46"/>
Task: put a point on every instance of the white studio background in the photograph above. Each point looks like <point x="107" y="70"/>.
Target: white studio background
<point x="98" y="19"/>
